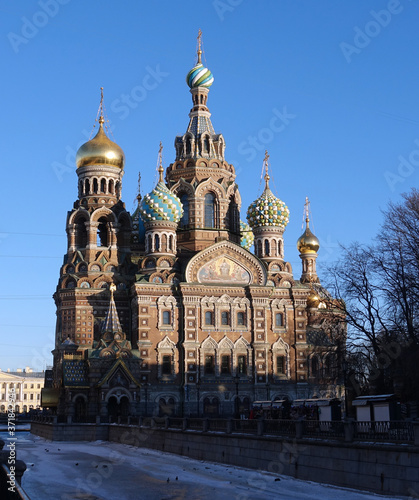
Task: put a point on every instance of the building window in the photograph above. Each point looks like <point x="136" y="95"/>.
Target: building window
<point x="279" y="319"/>
<point x="184" y="221"/>
<point x="166" y="365"/>
<point x="241" y="365"/>
<point x="267" y="248"/>
<point x="209" y="210"/>
<point x="209" y="319"/>
<point x="166" y="317"/>
<point x="209" y="364"/>
<point x="280" y="365"/>
<point x="225" y="365"/>
<point x="240" y="318"/>
<point x="225" y="318"/>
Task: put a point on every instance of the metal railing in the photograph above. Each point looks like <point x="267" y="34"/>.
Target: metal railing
<point x="393" y="431"/>
<point x="398" y="430"/>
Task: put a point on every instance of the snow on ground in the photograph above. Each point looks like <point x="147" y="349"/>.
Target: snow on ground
<point x="100" y="470"/>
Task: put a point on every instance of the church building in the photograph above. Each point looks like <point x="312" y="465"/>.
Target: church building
<point x="168" y="311"/>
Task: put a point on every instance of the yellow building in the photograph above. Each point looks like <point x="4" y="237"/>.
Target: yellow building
<point x="22" y="389"/>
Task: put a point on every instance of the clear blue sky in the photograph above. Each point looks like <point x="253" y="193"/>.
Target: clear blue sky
<point x="329" y="88"/>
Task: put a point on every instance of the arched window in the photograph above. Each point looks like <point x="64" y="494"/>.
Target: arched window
<point x="279" y="319"/>
<point x="279" y="248"/>
<point x="241" y="364"/>
<point x="267" y="253"/>
<point x="233" y="216"/>
<point x="103" y="185"/>
<point x="240" y="318"/>
<point x="102" y="233"/>
<point x="225" y="318"/>
<point x="314" y="366"/>
<point x="111" y="187"/>
<point x="156" y="243"/>
<point x="95" y="185"/>
<point x="280" y="365"/>
<point x="209" y="364"/>
<point x="86" y="186"/>
<point x="188" y="146"/>
<point x="259" y="248"/>
<point x="209" y="210"/>
<point x="206" y="144"/>
<point x="166" y="317"/>
<point x="81" y="233"/>
<point x="184" y="221"/>
<point x="225" y="364"/>
<point x="171" y="242"/>
<point x="164" y="242"/>
<point x="209" y="319"/>
<point x="166" y="367"/>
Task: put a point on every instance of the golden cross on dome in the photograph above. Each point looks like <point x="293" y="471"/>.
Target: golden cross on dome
<point x="160" y="169"/>
<point x="266" y="164"/>
<point x="101" y="117"/>
<point x="306" y="214"/>
<point x="199" y="38"/>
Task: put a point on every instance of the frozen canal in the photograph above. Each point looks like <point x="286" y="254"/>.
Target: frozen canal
<point x="109" y="471"/>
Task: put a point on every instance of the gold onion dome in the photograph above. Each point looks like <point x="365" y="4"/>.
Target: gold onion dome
<point x="308" y="242"/>
<point x="100" y="151"/>
<point x="313" y="300"/>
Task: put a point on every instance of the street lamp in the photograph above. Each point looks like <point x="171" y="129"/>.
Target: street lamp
<point x="198" y="384"/>
<point x="236" y="401"/>
<point x="146" y="397"/>
<point x="344" y="369"/>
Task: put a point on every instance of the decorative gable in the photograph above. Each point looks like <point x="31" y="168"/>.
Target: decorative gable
<point x="225" y="262"/>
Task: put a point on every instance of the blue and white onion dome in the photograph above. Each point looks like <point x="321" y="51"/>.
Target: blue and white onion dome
<point x="247" y="237"/>
<point x="268" y="210"/>
<point x="161" y="204"/>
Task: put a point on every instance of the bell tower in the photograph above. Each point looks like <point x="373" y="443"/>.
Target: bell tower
<point x="99" y="232"/>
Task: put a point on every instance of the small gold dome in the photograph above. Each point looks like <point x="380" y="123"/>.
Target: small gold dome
<point x="308" y="242"/>
<point x="313" y="300"/>
<point x="100" y="151"/>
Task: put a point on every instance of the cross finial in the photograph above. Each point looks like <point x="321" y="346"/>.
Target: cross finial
<point x="101" y="117"/>
<point x="307" y="211"/>
<point x="139" y="187"/>
<point x="266" y="164"/>
<point x="199" y="38"/>
<point x="160" y="169"/>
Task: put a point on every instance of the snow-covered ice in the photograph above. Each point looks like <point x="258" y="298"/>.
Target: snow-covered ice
<point x="101" y="470"/>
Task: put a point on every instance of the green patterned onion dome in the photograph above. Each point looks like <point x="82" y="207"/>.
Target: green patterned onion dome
<point x="199" y="76"/>
<point x="246" y="235"/>
<point x="161" y="204"/>
<point x="268" y="210"/>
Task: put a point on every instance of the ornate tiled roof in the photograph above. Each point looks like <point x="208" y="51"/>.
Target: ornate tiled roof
<point x="111" y="323"/>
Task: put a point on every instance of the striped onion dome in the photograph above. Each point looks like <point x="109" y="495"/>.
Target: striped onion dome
<point x="199" y="76"/>
<point x="161" y="204"/>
